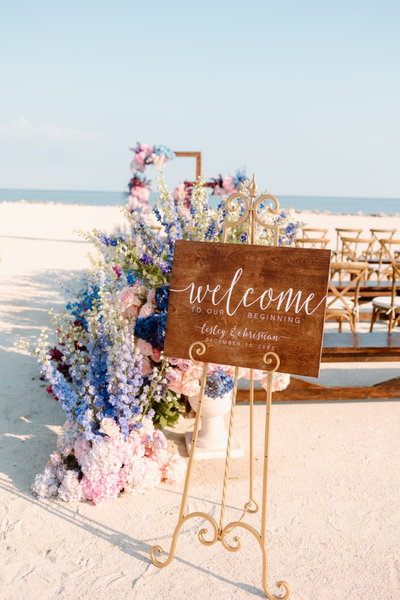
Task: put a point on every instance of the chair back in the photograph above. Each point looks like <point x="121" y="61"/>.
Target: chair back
<point x="309" y="242"/>
<point x="343" y="303"/>
<point x="314" y="233"/>
<point x="379" y="234"/>
<point x="342" y="232"/>
<point x="390" y="257"/>
<point x="357" y="249"/>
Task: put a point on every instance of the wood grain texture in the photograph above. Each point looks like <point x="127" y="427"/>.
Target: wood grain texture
<point x="243" y="301"/>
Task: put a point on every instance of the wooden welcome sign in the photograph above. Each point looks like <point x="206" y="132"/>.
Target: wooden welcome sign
<point x="242" y="301"/>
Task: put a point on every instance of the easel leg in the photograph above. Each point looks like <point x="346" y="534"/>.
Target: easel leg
<point x="228" y="449"/>
<point x="280" y="584"/>
<point x="157" y="550"/>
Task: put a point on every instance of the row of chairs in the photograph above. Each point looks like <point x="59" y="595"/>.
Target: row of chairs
<point x="343" y="303"/>
<point x="378" y="250"/>
<point x="355" y="260"/>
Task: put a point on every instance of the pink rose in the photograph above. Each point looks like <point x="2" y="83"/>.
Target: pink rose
<point x="156" y="355"/>
<point x="145" y="366"/>
<point x="139" y="159"/>
<point x="190" y="387"/>
<point x="179" y="191"/>
<point x="131" y="311"/>
<point x="146" y="310"/>
<point x="143" y="193"/>
<point x="174" y="375"/>
<point x="195" y="372"/>
<point x="184" y="364"/>
<point x="175" y="387"/>
<point x="144" y="347"/>
<point x="227" y="183"/>
<point x="151" y="297"/>
<point x="127" y="298"/>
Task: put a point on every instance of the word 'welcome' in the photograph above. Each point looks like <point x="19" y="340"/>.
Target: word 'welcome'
<point x="285" y="299"/>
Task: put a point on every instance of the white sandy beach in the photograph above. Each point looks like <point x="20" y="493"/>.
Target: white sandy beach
<point x="334" y="504"/>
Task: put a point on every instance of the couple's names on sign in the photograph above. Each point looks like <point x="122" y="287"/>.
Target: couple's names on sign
<point x="243" y="301"/>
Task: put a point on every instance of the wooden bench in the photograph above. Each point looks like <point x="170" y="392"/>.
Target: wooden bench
<point x="344" y="348"/>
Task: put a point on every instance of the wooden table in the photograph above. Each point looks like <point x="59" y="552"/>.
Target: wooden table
<point x="343" y="348"/>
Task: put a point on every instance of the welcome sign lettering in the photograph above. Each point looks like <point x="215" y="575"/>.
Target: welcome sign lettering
<point x="243" y="301"/>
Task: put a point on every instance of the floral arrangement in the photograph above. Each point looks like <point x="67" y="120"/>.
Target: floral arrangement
<point x="139" y="185"/>
<point x="220" y="186"/>
<point x="109" y="372"/>
<point x="110" y="384"/>
<point x="148" y="255"/>
<point x="101" y="469"/>
<point x="227" y="185"/>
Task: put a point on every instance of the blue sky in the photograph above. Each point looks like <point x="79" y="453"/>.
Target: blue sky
<point x="305" y="94"/>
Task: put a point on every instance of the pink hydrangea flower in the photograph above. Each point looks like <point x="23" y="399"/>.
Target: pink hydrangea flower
<point x="174" y="470"/>
<point x="159" y="440"/>
<point x="70" y="489"/>
<point x="81" y="447"/>
<point x="109" y="427"/>
<point x="46" y="484"/>
<point x="106" y="487"/>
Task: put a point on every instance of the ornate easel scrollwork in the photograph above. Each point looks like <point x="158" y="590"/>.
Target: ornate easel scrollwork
<point x="250" y="212"/>
<point x="197" y="347"/>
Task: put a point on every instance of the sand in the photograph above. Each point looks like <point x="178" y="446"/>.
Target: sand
<point x="334" y="505"/>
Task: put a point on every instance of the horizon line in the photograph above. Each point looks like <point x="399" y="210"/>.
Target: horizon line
<point x="154" y="192"/>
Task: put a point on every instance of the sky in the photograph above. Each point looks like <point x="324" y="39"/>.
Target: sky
<point x="304" y="94"/>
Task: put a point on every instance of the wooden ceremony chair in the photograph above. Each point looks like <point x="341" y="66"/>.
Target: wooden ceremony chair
<point x="310" y="232"/>
<point x="357" y="249"/>
<point x="380" y="234"/>
<point x="389" y="305"/>
<point x="389" y="255"/>
<point x="340" y="232"/>
<point x="313" y="238"/>
<point x="343" y="305"/>
<point x="308" y="242"/>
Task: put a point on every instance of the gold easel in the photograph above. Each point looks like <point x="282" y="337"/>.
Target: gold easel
<point x="198" y="348"/>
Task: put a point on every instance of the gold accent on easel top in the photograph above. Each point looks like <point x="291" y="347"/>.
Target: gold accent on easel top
<point x="251" y="213"/>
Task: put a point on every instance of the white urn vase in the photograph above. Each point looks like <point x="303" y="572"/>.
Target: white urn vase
<point x="212" y="439"/>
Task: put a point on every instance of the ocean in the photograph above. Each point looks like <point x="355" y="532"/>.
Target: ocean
<point x="334" y="205"/>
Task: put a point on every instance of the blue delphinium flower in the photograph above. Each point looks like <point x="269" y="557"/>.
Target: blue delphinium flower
<point x="146" y="259"/>
<point x="107" y="241"/>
